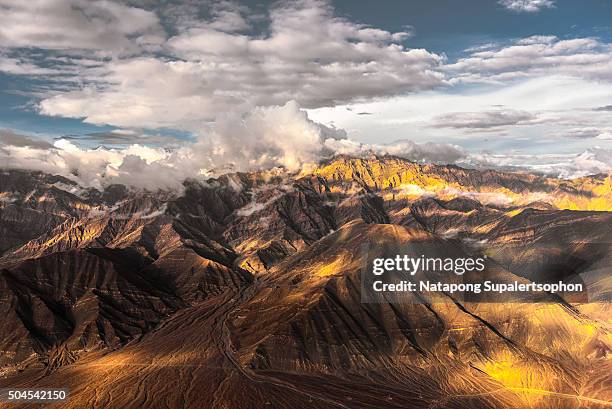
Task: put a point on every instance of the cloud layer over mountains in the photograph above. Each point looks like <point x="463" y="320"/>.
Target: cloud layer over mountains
<point x="241" y="79"/>
<point x="264" y="138"/>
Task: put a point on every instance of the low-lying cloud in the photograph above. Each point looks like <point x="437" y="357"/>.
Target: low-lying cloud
<point x="424" y="152"/>
<point x="567" y="166"/>
<point x="266" y="137"/>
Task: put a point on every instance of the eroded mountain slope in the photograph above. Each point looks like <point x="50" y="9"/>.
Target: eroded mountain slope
<point x="245" y="290"/>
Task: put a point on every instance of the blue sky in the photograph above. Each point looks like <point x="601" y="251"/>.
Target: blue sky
<point x="499" y="81"/>
<point x="448" y="26"/>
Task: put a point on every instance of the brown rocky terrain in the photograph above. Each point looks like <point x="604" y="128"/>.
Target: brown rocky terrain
<point x="244" y="291"/>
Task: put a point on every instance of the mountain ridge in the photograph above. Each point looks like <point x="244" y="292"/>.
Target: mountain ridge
<point x="251" y="284"/>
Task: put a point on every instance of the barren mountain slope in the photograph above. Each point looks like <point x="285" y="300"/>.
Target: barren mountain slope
<point x="245" y="291"/>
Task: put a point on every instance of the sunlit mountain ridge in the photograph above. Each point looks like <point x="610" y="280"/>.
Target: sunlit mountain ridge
<point x="250" y="284"/>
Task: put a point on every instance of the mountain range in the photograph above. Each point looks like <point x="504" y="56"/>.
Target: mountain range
<point x="245" y="290"/>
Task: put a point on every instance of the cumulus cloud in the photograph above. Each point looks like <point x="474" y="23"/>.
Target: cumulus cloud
<point x="77" y="24"/>
<point x="210" y="67"/>
<point x="265" y="137"/>
<point x="146" y="92"/>
<point x="527" y="6"/>
<point x="536" y="56"/>
<point x="100" y="166"/>
<point x="483" y="119"/>
<point x="424" y="152"/>
<point x="230" y="17"/>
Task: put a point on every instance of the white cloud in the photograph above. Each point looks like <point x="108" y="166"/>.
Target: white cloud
<point x="146" y="92"/>
<point x="229" y="17"/>
<point x="537" y="112"/>
<point x="265" y="137"/>
<point x="591" y="161"/>
<point x="309" y="55"/>
<point x="215" y="64"/>
<point x="527" y="6"/>
<point x="101" y="166"/>
<point x="586" y="58"/>
<point x="77" y="24"/>
<point x="424" y="152"/>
